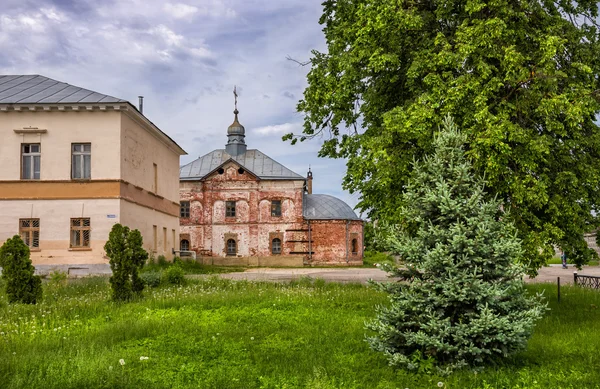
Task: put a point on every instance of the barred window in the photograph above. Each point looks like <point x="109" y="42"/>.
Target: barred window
<point x="184" y="210"/>
<point x="29" y="230"/>
<point x="230" y="209"/>
<point x="276" y="208"/>
<point x="81" y="161"/>
<point x="80" y="232"/>
<point x="276" y="246"/>
<point x="30" y="161"/>
<point x="231" y="247"/>
<point x="185" y="245"/>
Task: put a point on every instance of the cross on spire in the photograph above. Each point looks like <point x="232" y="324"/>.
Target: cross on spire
<point x="235" y="96"/>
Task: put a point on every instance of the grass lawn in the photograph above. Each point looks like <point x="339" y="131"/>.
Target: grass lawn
<point x="223" y="334"/>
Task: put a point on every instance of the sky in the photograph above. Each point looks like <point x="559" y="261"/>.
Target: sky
<point x="184" y="57"/>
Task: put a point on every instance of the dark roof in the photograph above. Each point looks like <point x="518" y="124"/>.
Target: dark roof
<point x="326" y="207"/>
<point x="254" y="161"/>
<point x="36" y="89"/>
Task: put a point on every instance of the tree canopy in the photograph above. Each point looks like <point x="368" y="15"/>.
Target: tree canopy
<point x="520" y="77"/>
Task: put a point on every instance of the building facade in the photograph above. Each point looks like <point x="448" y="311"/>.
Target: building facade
<point x="241" y="207"/>
<point x="74" y="162"/>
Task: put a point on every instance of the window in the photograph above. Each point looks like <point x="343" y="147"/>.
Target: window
<point x="231" y="247"/>
<point x="184" y="245"/>
<point x="80" y="232"/>
<point x="354" y="246"/>
<point x="30" y="161"/>
<point x="276" y="208"/>
<point x="184" y="210"/>
<point x="81" y="161"/>
<point x="29" y="230"/>
<point x="230" y="209"/>
<point x="276" y="246"/>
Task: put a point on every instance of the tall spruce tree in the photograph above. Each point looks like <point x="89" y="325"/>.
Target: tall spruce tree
<point x="463" y="301"/>
<point x="22" y="286"/>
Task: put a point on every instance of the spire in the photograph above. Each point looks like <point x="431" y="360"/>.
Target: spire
<point x="236" y="132"/>
<point x="309" y="178"/>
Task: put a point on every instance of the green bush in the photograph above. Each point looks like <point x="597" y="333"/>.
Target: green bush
<point x="174" y="275"/>
<point x="22" y="286"/>
<point x="464" y="302"/>
<point x="127" y="257"/>
<point x="151" y="278"/>
<point x="162" y="260"/>
<point x="58" y="278"/>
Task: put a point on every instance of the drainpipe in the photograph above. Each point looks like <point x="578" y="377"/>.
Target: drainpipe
<point x="347" y="237"/>
<point x="309" y="242"/>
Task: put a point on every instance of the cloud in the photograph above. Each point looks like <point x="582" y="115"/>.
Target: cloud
<point x="180" y="11"/>
<point x="277" y="129"/>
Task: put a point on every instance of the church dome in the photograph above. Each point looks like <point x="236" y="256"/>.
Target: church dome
<point x="236" y="128"/>
<point x="325" y="207"/>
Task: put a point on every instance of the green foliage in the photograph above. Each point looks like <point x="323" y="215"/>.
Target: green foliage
<point x="151" y="278"/>
<point x="58" y="278"/>
<point x="376" y="259"/>
<point x="22" y="286"/>
<point x="463" y="302"/>
<point x="162" y="260"/>
<point x="127" y="257"/>
<point x="174" y="275"/>
<point x="520" y="78"/>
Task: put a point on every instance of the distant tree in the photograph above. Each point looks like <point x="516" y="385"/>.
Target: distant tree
<point x="22" y="286"/>
<point x="463" y="302"/>
<point x="127" y="256"/>
<point x="520" y="77"/>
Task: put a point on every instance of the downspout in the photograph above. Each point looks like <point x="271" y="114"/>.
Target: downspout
<point x="309" y="242"/>
<point x="347" y="237"/>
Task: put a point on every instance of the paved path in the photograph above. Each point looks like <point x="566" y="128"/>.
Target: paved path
<point x="362" y="275"/>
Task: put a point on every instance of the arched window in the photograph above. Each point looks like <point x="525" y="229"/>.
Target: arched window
<point x="231" y="247"/>
<point x="354" y="246"/>
<point x="276" y="246"/>
<point x="184" y="245"/>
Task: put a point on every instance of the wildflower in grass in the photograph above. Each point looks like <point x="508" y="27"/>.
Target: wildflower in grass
<point x="252" y="338"/>
<point x="440" y="384"/>
<point x="144" y="358"/>
<point x="110" y="368"/>
<point x="122" y="362"/>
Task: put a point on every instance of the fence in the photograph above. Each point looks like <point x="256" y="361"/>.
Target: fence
<point x="586" y="281"/>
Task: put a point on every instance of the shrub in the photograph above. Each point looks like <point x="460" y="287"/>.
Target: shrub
<point x="58" y="277"/>
<point x="22" y="286"/>
<point x="174" y="275"/>
<point x="464" y="302"/>
<point x="162" y="261"/>
<point x="127" y="256"/>
<point x="151" y="278"/>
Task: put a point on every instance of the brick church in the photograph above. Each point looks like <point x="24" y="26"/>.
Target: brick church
<point x="240" y="207"/>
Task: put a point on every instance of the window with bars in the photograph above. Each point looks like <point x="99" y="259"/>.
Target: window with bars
<point x="81" y="161"/>
<point x="184" y="245"/>
<point x="230" y="209"/>
<point x="231" y="247"/>
<point x="276" y="208"/>
<point x="276" y="246"/>
<point x="80" y="232"/>
<point x="31" y="155"/>
<point x="29" y="230"/>
<point x="184" y="210"/>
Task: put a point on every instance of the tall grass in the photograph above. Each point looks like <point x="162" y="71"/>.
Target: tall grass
<point x="221" y="334"/>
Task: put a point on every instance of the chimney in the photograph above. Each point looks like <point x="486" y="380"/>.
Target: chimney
<point x="141" y="104"/>
<point x="309" y="181"/>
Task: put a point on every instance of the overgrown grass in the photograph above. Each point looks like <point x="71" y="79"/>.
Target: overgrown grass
<point x="221" y="334"/>
<point x="373" y="258"/>
<point x="190" y="266"/>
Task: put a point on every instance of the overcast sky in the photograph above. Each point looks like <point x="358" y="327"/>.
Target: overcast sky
<point x="184" y="58"/>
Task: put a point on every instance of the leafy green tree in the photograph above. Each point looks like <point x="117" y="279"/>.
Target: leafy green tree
<point x="463" y="302"/>
<point x="127" y="257"/>
<point x="22" y="286"/>
<point x="520" y="78"/>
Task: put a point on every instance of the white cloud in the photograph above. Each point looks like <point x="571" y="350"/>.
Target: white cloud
<point x="278" y="129"/>
<point x="180" y="11"/>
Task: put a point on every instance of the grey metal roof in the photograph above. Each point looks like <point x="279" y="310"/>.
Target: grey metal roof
<point x="254" y="161"/>
<point x="36" y="89"/>
<point x="326" y="207"/>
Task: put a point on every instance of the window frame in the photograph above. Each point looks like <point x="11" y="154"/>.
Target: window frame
<point x="181" y="245"/>
<point x="184" y="206"/>
<point x="81" y="155"/>
<point x="354" y="246"/>
<point x="276" y="212"/>
<point x="81" y="228"/>
<point x="31" y="155"/>
<point x="30" y="231"/>
<point x="230" y="208"/>
<point x="276" y="250"/>
<point x="231" y="253"/>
